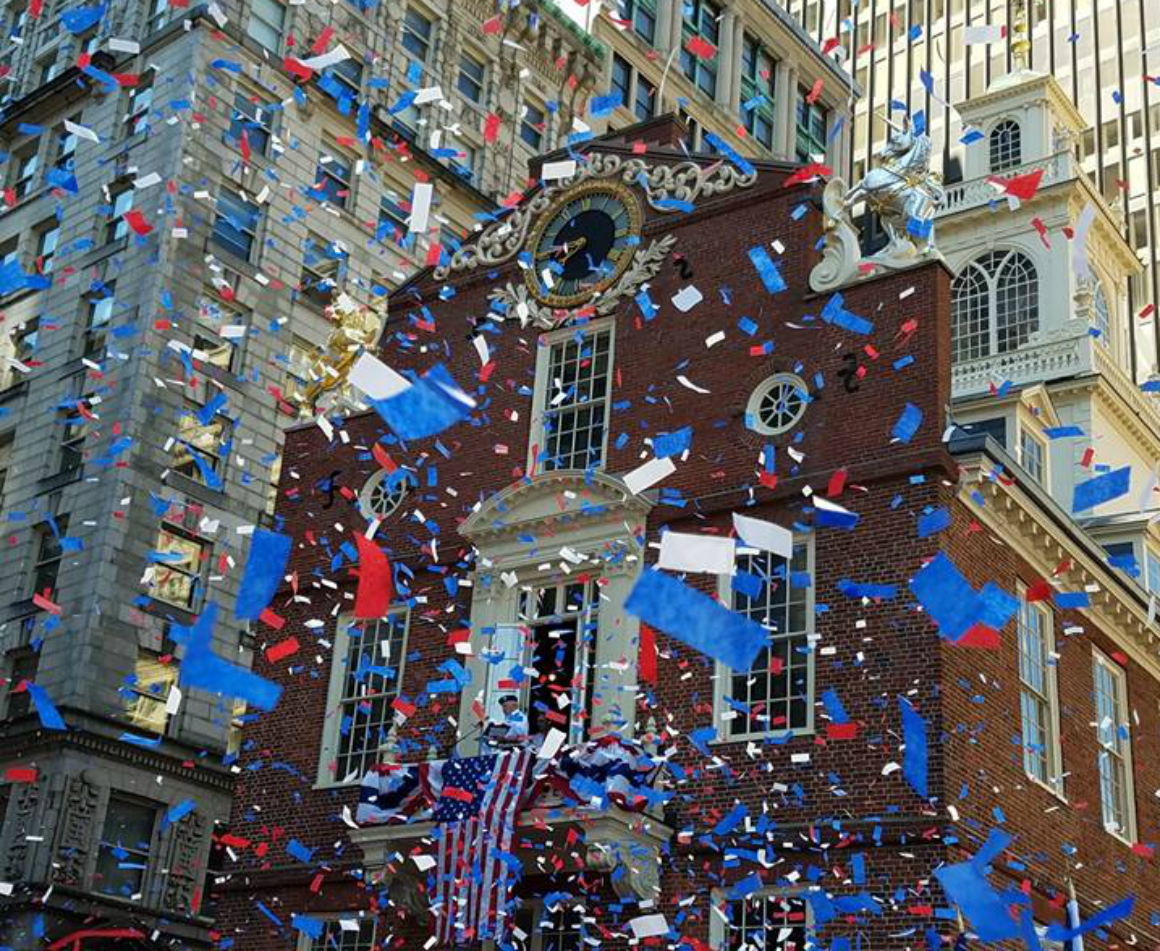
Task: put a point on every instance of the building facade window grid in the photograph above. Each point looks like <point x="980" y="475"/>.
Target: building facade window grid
<point x="332" y="178"/>
<point x="368" y="673"/>
<point x="642" y="14"/>
<point x="766" y="922"/>
<point x="266" y="23"/>
<point x="140" y="103"/>
<point x="124" y="851"/>
<point x="575" y="401"/>
<point x="1039" y="695"/>
<point x="1115" y="755"/>
<point x="235" y="225"/>
<point x="47" y="239"/>
<point x="701" y="19"/>
<point x="49" y="555"/>
<point x="994" y="305"/>
<point x="121" y="201"/>
<point x="177" y="578"/>
<point x="758" y="70"/>
<point x="26" y="169"/>
<point x="98" y="304"/>
<point x="776" y="694"/>
<point x="470" y="80"/>
<point x="532" y="125"/>
<point x="1101" y="316"/>
<point x="811" y="128"/>
<point x="253" y="118"/>
<point x="1032" y="455"/>
<point x="342" y="934"/>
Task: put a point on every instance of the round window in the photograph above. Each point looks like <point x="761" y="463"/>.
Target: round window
<point x="381" y="495"/>
<point x="777" y="405"/>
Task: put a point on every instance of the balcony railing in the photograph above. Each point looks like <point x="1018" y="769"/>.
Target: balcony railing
<point x="1061" y="167"/>
<point x="1033" y="363"/>
<point x="607" y="795"/>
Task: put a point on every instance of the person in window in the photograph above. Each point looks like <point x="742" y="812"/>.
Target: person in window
<point x="513" y="730"/>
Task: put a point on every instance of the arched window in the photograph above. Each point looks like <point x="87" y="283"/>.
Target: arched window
<point x="994" y="305"/>
<point x="1102" y="315"/>
<point x="1006" y="145"/>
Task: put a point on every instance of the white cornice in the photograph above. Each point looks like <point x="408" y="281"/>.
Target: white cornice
<point x="1026" y="526"/>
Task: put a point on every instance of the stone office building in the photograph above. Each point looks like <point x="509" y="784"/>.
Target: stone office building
<point x="182" y="199"/>
<point x="517" y="535"/>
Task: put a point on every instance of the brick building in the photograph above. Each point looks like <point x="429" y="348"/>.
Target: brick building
<point x="789" y="812"/>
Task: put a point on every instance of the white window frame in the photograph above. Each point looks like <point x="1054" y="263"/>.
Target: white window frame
<point x="1053" y="752"/>
<point x="332" y="721"/>
<point x="718" y="897"/>
<point x="1120" y="679"/>
<point x="307" y="943"/>
<point x="1151" y="557"/>
<point x="723" y="674"/>
<point x="1027" y="433"/>
<point x="537" y="434"/>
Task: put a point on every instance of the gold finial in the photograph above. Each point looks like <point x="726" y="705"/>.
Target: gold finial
<point x="356" y="328"/>
<point x="1021" y="36"/>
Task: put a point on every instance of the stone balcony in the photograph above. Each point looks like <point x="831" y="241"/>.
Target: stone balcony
<point x="566" y="820"/>
<point x="1061" y="355"/>
<point x="979" y="192"/>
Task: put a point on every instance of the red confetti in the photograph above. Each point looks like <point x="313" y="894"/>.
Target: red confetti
<point x="375" y="589"/>
<point x="648" y="654"/>
<point x="20" y="774"/>
<point x="275" y="652"/>
<point x="701" y="48"/>
<point x="815" y="92"/>
<point x="135" y="220"/>
<point x="323" y="38"/>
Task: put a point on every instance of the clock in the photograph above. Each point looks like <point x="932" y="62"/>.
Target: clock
<point x="583" y="243"/>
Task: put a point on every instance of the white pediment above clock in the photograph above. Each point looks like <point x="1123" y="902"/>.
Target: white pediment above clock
<point x="554" y="509"/>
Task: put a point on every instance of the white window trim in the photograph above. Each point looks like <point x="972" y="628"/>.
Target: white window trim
<point x="1128" y="836"/>
<point x="331" y="721"/>
<point x="1055" y="751"/>
<point x="722" y="673"/>
<point x="544" y="344"/>
<point x="1151" y="553"/>
<point x="718" y="933"/>
<point x="1029" y="431"/>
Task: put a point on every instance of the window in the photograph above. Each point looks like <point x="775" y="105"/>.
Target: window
<point x="532" y="125"/>
<point x="26" y="164"/>
<point x="994" y="305"/>
<point x="470" y="80"/>
<point x="6" y="441"/>
<point x="383" y="493"/>
<point x="344" y="934"/>
<point x="642" y="14"/>
<point x="764" y="922"/>
<point x="146" y="690"/>
<point x="177" y="572"/>
<point x="1102" y="315"/>
<point x="811" y="128"/>
<point x="267" y="21"/>
<point x="47" y="239"/>
<point x="1152" y="578"/>
<point x="25" y="338"/>
<point x="121" y="201"/>
<point x="159" y="15"/>
<point x="621" y="78"/>
<point x="332" y="178"/>
<point x="552" y="927"/>
<point x="253" y="119"/>
<point x="10" y="250"/>
<point x="573" y="400"/>
<point x="701" y="19"/>
<point x="561" y="624"/>
<point x="393" y="225"/>
<point x="417" y="30"/>
<point x="465" y="162"/>
<point x="98" y="304"/>
<point x="209" y="438"/>
<point x="75" y="415"/>
<point x="126" y="840"/>
<point x="348" y="74"/>
<point x="364" y="681"/>
<point x="23" y="664"/>
<point x="1006" y="145"/>
<point x="1039" y="695"/>
<point x="996" y="428"/>
<point x="49" y="554"/>
<point x="1032" y="455"/>
<point x="215" y="351"/>
<point x="645" y="106"/>
<point x="66" y="146"/>
<point x="140" y="102"/>
<point x="776" y="693"/>
<point x="777" y="405"/>
<point x="757" y="73"/>
<point x="236" y="225"/>
<point x="320" y="268"/>
<point x="17" y="19"/>
<point x="1110" y="692"/>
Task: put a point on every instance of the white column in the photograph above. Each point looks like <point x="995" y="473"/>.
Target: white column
<point x="725" y="57"/>
<point x="678" y="16"/>
<point x="666" y="10"/>
<point x="785" y="133"/>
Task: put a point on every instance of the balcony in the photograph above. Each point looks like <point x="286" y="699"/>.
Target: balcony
<point x="979" y="192"/>
<point x="1063" y="355"/>
<point x="599" y="803"/>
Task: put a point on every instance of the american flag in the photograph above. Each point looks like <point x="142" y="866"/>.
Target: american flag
<point x="477" y="807"/>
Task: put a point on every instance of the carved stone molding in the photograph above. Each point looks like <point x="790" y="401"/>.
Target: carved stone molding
<point x="26" y="812"/>
<point x="184" y="861"/>
<point x="76" y="831"/>
<point x="662" y="185"/>
<point x="633" y="867"/>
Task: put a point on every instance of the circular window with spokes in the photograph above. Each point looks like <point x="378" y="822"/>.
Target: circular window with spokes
<point x="382" y="495"/>
<point x="777" y="405"/>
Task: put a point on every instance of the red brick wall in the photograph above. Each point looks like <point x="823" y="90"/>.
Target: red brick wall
<point x="839" y="802"/>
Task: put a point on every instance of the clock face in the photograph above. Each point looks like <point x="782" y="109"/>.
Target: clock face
<point x="583" y="243"/>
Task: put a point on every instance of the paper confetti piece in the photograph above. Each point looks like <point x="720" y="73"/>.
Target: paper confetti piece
<point x="695" y="619"/>
<point x="914" y="736"/>
<point x="1101" y="489"/>
<point x="265" y="567"/>
<point x="203" y="669"/>
<point x="375" y="587"/>
<point x="50" y="717"/>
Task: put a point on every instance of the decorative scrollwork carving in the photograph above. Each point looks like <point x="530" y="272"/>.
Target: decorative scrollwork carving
<point x="667" y="188"/>
<point x="75" y="834"/>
